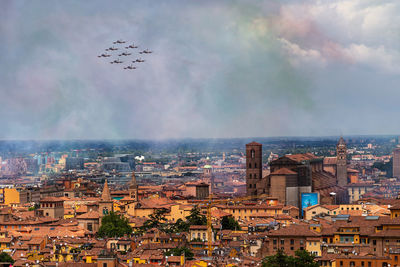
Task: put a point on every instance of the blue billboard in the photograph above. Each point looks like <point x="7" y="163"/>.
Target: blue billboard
<point x="308" y="200"/>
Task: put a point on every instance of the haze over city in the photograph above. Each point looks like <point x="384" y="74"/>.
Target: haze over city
<point x="218" y="69"/>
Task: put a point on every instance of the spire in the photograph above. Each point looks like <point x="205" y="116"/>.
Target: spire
<point x="133" y="184"/>
<point x="105" y="196"/>
<point x="341" y="141"/>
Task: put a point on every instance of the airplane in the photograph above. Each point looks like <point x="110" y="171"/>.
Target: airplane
<point x="104" y="55"/>
<point x="130" y="67"/>
<point x="138" y="60"/>
<point x="125" y="54"/>
<point x="117" y="61"/>
<point x="119" y="42"/>
<point x="131" y="46"/>
<point x="146" y="52"/>
<point x="111" y="49"/>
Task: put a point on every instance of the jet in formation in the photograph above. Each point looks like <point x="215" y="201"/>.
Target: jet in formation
<point x="131" y="46"/>
<point x="104" y="55"/>
<point x="117" y="61"/>
<point x="130" y="67"/>
<point x="125" y="54"/>
<point x="146" y="52"/>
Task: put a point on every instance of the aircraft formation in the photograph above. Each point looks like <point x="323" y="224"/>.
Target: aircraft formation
<point x="124" y="53"/>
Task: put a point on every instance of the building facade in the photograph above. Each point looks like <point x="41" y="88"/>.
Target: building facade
<point x="341" y="163"/>
<point x="396" y="162"/>
<point x="253" y="167"/>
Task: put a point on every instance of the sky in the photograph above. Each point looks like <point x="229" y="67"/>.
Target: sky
<point x="218" y="69"/>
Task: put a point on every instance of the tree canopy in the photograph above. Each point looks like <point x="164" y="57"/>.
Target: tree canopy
<point x="196" y="218"/>
<point x="302" y="258"/>
<point x="179" y="251"/>
<point x="229" y="223"/>
<point x="156" y="220"/>
<point x="114" y="225"/>
<point x="4" y="257"/>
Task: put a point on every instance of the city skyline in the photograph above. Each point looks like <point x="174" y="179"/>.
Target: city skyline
<point x="226" y="69"/>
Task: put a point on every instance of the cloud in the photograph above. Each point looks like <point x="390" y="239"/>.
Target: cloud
<point x="218" y="68"/>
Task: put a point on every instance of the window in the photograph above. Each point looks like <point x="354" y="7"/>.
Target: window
<point x="341" y="263"/>
<point x="291" y="241"/>
<point x="249" y="165"/>
<point x="282" y="242"/>
<point x="374" y="242"/>
<point x="255" y="165"/>
<point x="255" y="176"/>
<point x="250" y="176"/>
<point x="369" y="264"/>
<point x="291" y="248"/>
<point x="104" y="264"/>
<point x="274" y="241"/>
<point x="252" y="154"/>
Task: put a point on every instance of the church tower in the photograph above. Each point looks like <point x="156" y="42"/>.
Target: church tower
<point x="106" y="204"/>
<point x="133" y="188"/>
<point x="253" y="167"/>
<point x="341" y="162"/>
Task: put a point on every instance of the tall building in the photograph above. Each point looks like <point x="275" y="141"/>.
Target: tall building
<point x="106" y="204"/>
<point x="341" y="162"/>
<point x="74" y="163"/>
<point x="253" y="167"/>
<point x="133" y="188"/>
<point x="396" y="162"/>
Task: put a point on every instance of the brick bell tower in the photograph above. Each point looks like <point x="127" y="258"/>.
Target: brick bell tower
<point x="253" y="167"/>
<point x="341" y="162"/>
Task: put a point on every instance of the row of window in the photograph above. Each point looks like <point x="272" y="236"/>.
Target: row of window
<point x="251" y="176"/>
<point x="275" y="241"/>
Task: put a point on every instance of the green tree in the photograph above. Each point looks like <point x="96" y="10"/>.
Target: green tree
<point x="304" y="259"/>
<point x="4" y="257"/>
<point x="180" y="226"/>
<point x="114" y="225"/>
<point x="280" y="259"/>
<point x="156" y="220"/>
<point x="196" y="218"/>
<point x="229" y="223"/>
<point x="301" y="259"/>
<point x="179" y="251"/>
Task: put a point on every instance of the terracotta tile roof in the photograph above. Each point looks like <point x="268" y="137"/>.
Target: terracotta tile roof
<point x="284" y="171"/>
<point x="302" y="157"/>
<point x="89" y="215"/>
<point x="198" y="227"/>
<point x="52" y="199"/>
<point x="330" y="160"/>
<point x="294" y="230"/>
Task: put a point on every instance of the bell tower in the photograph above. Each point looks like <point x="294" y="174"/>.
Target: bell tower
<point x="106" y="204"/>
<point x="253" y="167"/>
<point x="133" y="188"/>
<point x="341" y="162"/>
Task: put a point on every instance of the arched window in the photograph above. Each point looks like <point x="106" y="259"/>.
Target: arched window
<point x="252" y="154"/>
<point x="249" y="165"/>
<point x="255" y="165"/>
<point x="255" y="176"/>
<point x="250" y="176"/>
<point x="105" y="211"/>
